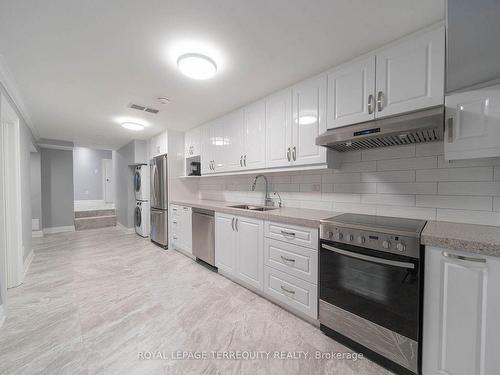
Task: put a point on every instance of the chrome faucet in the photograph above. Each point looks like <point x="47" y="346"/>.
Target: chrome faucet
<point x="268" y="201"/>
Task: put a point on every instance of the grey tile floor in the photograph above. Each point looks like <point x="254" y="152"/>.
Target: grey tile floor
<point x="100" y="301"/>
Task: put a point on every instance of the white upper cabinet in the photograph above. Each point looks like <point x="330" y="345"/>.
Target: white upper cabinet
<point x="207" y="148"/>
<point x="254" y="136"/>
<point x="308" y="121"/>
<point x="192" y="144"/>
<point x="410" y="73"/>
<point x="158" y="145"/>
<point x="279" y="129"/>
<point x="351" y="93"/>
<point x="472" y="125"/>
<point x="231" y="155"/>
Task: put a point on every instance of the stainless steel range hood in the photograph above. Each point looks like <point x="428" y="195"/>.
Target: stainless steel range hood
<point x="413" y="127"/>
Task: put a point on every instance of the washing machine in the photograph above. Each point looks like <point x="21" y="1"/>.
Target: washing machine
<point x="141" y="182"/>
<point x="141" y="218"/>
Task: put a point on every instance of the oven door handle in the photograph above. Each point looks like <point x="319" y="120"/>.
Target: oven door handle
<point x="369" y="258"/>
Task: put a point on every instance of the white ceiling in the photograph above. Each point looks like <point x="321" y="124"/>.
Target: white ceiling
<point x="78" y="64"/>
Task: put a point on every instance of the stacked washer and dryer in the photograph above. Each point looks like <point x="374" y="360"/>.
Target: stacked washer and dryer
<point x="142" y="207"/>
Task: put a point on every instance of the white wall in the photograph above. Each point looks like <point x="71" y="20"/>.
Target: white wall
<point x="405" y="181"/>
<point x="87" y="172"/>
<point x="36" y="187"/>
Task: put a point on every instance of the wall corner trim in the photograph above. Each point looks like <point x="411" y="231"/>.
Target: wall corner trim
<point x="27" y="262"/>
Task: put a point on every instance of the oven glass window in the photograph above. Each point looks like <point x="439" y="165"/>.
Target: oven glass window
<point x="387" y="295"/>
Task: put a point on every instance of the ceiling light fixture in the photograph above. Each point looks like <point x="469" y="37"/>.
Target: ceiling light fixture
<point x="133" y="126"/>
<point x="197" y="66"/>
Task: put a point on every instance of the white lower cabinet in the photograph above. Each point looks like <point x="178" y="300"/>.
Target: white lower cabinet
<point x="181" y="228"/>
<point x="461" y="333"/>
<point x="239" y="245"/>
<point x="291" y="291"/>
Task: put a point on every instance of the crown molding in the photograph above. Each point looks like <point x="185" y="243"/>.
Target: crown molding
<point x="8" y="82"/>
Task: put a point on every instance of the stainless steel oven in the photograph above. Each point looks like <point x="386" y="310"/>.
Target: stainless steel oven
<point x="371" y="285"/>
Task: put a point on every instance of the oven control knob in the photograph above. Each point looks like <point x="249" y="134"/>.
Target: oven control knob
<point x="386" y="244"/>
<point x="400" y="247"/>
<point x="350" y="237"/>
<point x="338" y="236"/>
<point x="361" y="240"/>
<point x="329" y="234"/>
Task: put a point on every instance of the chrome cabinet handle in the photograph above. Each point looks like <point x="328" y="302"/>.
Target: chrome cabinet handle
<point x="241" y="161"/>
<point x="370" y="104"/>
<point x="245" y="160"/>
<point x="380" y="101"/>
<point x="232" y="224"/>
<point x="287" y="290"/>
<point x="294" y="153"/>
<point x="285" y="233"/>
<point x="175" y="237"/>
<point x="450" y="130"/>
<point x="462" y="257"/>
<point x="236" y="224"/>
<point x="174" y="221"/>
<point x="288" y="154"/>
<point x="285" y="259"/>
<point x="351" y="254"/>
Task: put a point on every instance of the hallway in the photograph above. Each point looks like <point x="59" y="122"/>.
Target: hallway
<point x="94" y="300"/>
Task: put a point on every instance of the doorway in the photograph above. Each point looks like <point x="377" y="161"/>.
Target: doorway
<point x="11" y="253"/>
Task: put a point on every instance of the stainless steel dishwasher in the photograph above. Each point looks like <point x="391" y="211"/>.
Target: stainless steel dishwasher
<point x="204" y="236"/>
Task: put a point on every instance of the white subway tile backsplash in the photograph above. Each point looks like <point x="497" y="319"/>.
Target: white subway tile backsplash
<point x="407" y="212"/>
<point x="469" y="216"/>
<point x="345" y="198"/>
<point x="389" y="199"/>
<point x="455" y="174"/>
<point x="455" y="201"/>
<point x="362" y="166"/>
<point x="469" y="188"/>
<point x="395" y="152"/>
<point x="362" y="187"/>
<point x="389" y="176"/>
<point x="407" y="188"/>
<point x="341" y="178"/>
<point x="408" y="181"/>
<point x="425" y="162"/>
<point x="429" y="149"/>
<point x="355" y="208"/>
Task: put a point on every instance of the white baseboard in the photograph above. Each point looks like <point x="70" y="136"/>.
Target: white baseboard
<point x="27" y="262"/>
<point x="52" y="230"/>
<point x="125" y="229"/>
<point x="2" y="315"/>
<point x="36" y="233"/>
<point x="35" y="224"/>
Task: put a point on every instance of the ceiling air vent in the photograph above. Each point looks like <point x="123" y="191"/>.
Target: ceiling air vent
<point x="143" y="108"/>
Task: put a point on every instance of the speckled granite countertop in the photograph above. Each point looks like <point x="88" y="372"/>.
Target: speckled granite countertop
<point x="478" y="239"/>
<point x="289" y="215"/>
<point x="472" y="238"/>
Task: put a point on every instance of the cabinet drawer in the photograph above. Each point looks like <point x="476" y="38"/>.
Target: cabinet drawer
<point x="291" y="291"/>
<point x="302" y="236"/>
<point x="295" y="260"/>
<point x="175" y="210"/>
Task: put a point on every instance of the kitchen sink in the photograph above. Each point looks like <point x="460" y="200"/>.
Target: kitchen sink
<point x="253" y="208"/>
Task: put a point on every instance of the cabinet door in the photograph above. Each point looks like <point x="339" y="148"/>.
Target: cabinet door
<point x="187" y="144"/>
<point x="187" y="236"/>
<point x="461" y="309"/>
<point x="195" y="135"/>
<point x="225" y="243"/>
<point x="219" y="144"/>
<point x="309" y="121"/>
<point x="410" y="74"/>
<point x="207" y="148"/>
<point x="279" y="129"/>
<point x="250" y="251"/>
<point x="351" y="93"/>
<point x="254" y="135"/>
<point x="232" y="141"/>
<point x="472" y="127"/>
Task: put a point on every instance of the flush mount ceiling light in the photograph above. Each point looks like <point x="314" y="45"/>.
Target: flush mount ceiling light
<point x="197" y="66"/>
<point x="307" y="119"/>
<point x="132" y="126"/>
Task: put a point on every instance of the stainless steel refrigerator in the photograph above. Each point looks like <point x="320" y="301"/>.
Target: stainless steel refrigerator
<point x="159" y="200"/>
